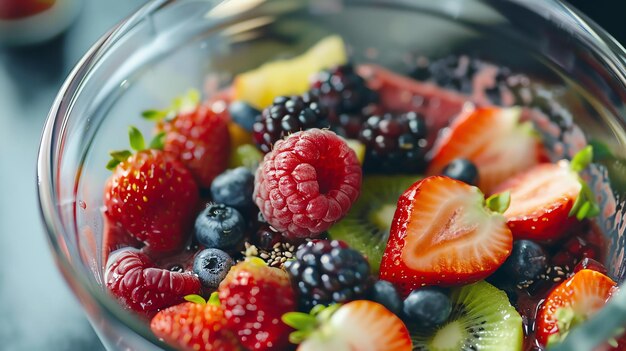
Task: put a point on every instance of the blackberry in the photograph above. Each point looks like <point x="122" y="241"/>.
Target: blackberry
<point x="455" y="72"/>
<point x="287" y="115"/>
<point x="326" y="272"/>
<point x="345" y="95"/>
<point x="395" y="143"/>
<point x="516" y="85"/>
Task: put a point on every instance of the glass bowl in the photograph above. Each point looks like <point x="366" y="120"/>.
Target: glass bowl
<point x="167" y="47"/>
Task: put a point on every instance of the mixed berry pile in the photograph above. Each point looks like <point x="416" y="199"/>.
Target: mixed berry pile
<point x="314" y="205"/>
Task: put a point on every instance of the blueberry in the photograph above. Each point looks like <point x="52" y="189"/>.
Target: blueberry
<point x="427" y="307"/>
<point x="219" y="226"/>
<point x="234" y="188"/>
<point x="528" y="260"/>
<point x="386" y="294"/>
<point x="243" y="114"/>
<point x="211" y="266"/>
<point x="463" y="170"/>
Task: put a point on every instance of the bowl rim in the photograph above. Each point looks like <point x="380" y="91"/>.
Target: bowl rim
<point x="555" y="12"/>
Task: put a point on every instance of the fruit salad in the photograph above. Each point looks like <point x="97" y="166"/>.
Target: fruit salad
<point x="318" y="203"/>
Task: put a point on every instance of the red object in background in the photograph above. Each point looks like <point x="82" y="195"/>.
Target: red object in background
<point x="16" y="9"/>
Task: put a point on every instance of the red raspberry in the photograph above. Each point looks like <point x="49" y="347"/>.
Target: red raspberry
<point x="136" y="282"/>
<point x="307" y="183"/>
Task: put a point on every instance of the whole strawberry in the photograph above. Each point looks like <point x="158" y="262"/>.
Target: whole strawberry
<point x="195" y="325"/>
<point x="254" y="297"/>
<point x="197" y="135"/>
<point x="150" y="195"/>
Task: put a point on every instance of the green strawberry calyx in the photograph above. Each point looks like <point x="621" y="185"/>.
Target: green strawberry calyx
<point x="180" y="104"/>
<point x="306" y="324"/>
<point x="585" y="205"/>
<point x="137" y="143"/>
<point x="499" y="202"/>
<point x="566" y="319"/>
<point x="213" y="299"/>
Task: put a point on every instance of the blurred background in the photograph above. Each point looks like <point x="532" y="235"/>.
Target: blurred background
<point x="37" y="310"/>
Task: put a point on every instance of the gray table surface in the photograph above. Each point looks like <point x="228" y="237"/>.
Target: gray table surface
<point x="37" y="310"/>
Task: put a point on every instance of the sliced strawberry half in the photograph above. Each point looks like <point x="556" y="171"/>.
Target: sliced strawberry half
<point x="571" y="303"/>
<point x="358" y="325"/>
<point x="493" y="139"/>
<point x="442" y="234"/>
<point x="548" y="199"/>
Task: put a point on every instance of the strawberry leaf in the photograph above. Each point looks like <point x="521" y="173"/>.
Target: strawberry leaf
<point x="327" y="312"/>
<point x="583" y="211"/>
<point x="195" y="299"/>
<point x="180" y="104"/>
<point x="317" y="309"/>
<point x="137" y="141"/>
<point x="117" y="157"/>
<point x="297" y="336"/>
<point x="112" y="164"/>
<point x="300" y="320"/>
<point x="256" y="261"/>
<point x="499" y="202"/>
<point x="303" y="323"/>
<point x="121" y="155"/>
<point x="154" y="115"/>
<point x="601" y="151"/>
<point x="186" y="102"/>
<point x="566" y="319"/>
<point x="582" y="159"/>
<point x="214" y="299"/>
<point x="158" y="141"/>
<point x="585" y="205"/>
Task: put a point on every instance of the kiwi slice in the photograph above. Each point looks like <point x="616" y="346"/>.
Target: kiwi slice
<point x="482" y="319"/>
<point x="366" y="227"/>
<point x="245" y="155"/>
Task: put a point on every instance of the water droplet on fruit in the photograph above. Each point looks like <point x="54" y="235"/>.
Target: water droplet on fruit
<point x="176" y="268"/>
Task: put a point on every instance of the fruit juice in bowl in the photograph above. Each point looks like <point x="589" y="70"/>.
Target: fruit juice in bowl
<point x="296" y="178"/>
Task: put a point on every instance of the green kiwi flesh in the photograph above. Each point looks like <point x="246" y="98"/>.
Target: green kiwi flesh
<point x="482" y="319"/>
<point x="366" y="227"/>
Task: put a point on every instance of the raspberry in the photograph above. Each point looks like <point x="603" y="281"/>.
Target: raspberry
<point x="344" y="94"/>
<point x="287" y="115"/>
<point x="141" y="286"/>
<point x="395" y="143"/>
<point x="326" y="272"/>
<point x="307" y="183"/>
